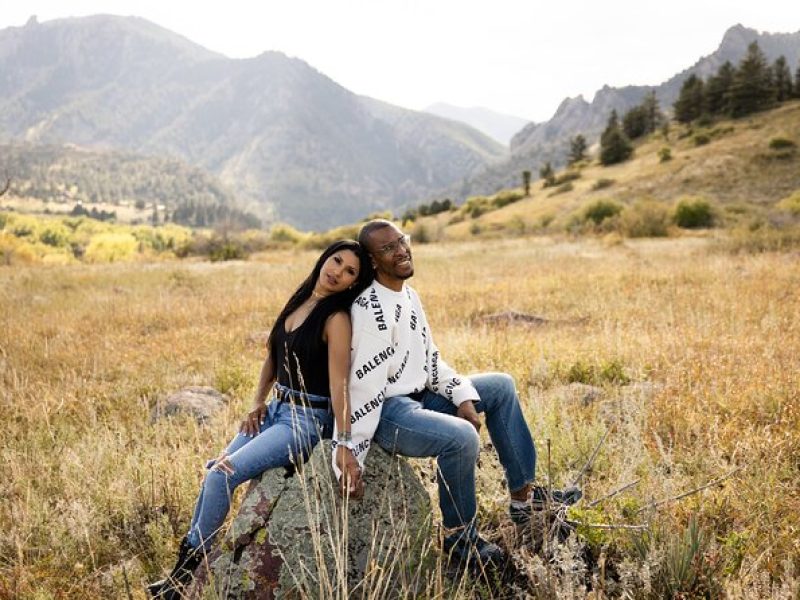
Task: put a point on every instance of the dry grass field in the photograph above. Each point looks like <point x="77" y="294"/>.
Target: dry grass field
<point x="695" y="350"/>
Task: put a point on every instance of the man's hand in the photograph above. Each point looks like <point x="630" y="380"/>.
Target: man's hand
<point x="350" y="483"/>
<point x="466" y="410"/>
<point x="251" y="424"/>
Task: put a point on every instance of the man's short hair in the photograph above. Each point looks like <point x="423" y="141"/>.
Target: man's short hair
<point x="368" y="228"/>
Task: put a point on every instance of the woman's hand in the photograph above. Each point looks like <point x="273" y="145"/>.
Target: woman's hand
<point x="251" y="424"/>
<point x="350" y="483"/>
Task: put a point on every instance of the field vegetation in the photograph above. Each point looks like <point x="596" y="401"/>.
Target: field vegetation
<point x="693" y="350"/>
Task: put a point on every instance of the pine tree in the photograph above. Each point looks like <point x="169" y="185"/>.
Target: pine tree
<point x="796" y="89"/>
<point x="577" y="149"/>
<point x="752" y="88"/>
<point x="689" y="105"/>
<point x="634" y="122"/>
<point x="526" y="182"/>
<point x="614" y="146"/>
<point x="546" y="172"/>
<point x="654" y="118"/>
<point x="718" y="90"/>
<point x="782" y="79"/>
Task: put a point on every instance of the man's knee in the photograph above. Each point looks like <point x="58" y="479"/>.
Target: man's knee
<point x="465" y="440"/>
<point x="497" y="388"/>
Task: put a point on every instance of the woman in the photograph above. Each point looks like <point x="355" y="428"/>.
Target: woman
<point x="308" y="362"/>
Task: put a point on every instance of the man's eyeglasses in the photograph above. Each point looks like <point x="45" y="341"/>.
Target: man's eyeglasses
<point x="391" y="247"/>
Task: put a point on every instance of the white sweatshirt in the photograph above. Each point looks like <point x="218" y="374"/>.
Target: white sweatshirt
<point x="393" y="354"/>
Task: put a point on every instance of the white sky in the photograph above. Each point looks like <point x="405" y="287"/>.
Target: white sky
<point x="512" y="56"/>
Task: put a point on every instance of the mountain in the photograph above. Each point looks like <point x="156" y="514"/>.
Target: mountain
<point x="288" y="141"/>
<point x="496" y="125"/>
<point x="538" y="143"/>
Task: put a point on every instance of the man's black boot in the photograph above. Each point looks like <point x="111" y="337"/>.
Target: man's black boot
<point x="172" y="586"/>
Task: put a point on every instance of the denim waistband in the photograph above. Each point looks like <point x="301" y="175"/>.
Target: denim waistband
<point x="287" y="394"/>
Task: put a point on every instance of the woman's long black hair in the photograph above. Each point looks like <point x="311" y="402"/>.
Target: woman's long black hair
<point x="311" y="333"/>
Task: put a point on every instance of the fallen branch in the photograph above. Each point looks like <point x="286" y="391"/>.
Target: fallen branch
<point x="614" y="493"/>
<point x="589" y="463"/>
<point x="689" y="493"/>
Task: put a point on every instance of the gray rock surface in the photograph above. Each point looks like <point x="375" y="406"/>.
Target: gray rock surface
<point x="201" y="402"/>
<point x="287" y="539"/>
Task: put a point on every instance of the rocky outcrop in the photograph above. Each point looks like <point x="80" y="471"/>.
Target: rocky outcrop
<point x="295" y="537"/>
<point x="201" y="402"/>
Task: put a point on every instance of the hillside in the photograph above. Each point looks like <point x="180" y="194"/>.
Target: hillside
<point x="288" y="141"/>
<point x="737" y="170"/>
<point x="538" y="143"/>
<point x="49" y="178"/>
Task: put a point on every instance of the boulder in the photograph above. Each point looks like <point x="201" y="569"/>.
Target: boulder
<point x="201" y="402"/>
<point x="295" y="537"/>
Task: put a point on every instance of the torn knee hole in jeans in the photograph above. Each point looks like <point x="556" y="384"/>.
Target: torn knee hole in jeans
<point x="223" y="465"/>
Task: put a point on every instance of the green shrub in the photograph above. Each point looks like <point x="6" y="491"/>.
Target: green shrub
<point x="562" y="189"/>
<point x="780" y="143"/>
<point x="701" y="139"/>
<point x="693" y="213"/>
<point x="597" y="373"/>
<point x="791" y="204"/>
<point x="704" y="120"/>
<point x="600" y="210"/>
<point x="421" y="234"/>
<point x="602" y="184"/>
<point x="507" y="197"/>
<point x="645" y="218"/>
<point x="226" y="249"/>
<point x="566" y="176"/>
<point x="456" y="218"/>
<point x="111" y="247"/>
<point x="283" y="233"/>
<point x="664" y="154"/>
<point x="475" y="206"/>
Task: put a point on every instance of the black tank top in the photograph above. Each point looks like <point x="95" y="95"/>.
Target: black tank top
<point x="301" y="360"/>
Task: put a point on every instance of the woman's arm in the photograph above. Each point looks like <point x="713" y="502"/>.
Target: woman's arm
<point x="251" y="424"/>
<point x="337" y="334"/>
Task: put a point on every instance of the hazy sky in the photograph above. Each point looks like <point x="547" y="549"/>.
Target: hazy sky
<point x="517" y="57"/>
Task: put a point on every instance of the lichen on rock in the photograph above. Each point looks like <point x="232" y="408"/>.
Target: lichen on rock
<point x="296" y="537"/>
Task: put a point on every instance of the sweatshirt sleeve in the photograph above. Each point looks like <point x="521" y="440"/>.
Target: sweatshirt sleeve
<point x="370" y="354"/>
<point x="442" y="378"/>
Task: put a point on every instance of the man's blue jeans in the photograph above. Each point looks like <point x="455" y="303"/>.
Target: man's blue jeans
<point x="430" y="428"/>
<point x="287" y="436"/>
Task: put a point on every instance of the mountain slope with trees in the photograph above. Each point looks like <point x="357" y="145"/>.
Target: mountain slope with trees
<point x="539" y="143"/>
<point x="740" y="174"/>
<point x="158" y="190"/>
<point x="290" y="142"/>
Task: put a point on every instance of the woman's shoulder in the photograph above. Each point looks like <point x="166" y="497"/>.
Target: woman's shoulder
<point x="339" y="316"/>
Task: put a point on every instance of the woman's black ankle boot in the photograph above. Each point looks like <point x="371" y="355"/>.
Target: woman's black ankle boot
<point x="171" y="587"/>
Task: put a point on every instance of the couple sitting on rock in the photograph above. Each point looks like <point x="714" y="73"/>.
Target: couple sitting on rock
<point x="352" y="352"/>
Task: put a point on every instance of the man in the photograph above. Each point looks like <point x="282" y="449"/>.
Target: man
<point x="406" y="398"/>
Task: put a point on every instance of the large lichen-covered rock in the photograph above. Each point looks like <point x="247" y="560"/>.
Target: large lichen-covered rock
<point x="199" y="401"/>
<point x="296" y="537"/>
